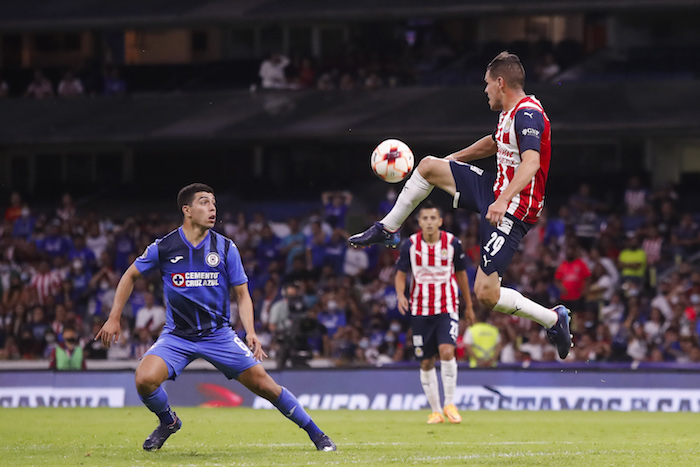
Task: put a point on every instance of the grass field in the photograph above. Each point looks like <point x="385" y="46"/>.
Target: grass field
<point x="218" y="437"/>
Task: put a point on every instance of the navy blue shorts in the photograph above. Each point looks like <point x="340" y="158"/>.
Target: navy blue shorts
<point x="222" y="348"/>
<point x="475" y="192"/>
<point x="431" y="331"/>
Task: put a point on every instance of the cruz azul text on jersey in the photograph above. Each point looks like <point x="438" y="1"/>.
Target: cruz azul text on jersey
<point x="195" y="279"/>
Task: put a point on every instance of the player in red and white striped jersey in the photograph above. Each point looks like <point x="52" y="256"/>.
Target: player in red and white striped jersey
<point x="509" y="201"/>
<point x="436" y="261"/>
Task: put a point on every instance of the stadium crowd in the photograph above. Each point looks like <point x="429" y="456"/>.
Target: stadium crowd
<point x="621" y="268"/>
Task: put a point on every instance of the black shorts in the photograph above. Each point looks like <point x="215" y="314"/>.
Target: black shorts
<point x="475" y="192"/>
<point x="431" y="331"/>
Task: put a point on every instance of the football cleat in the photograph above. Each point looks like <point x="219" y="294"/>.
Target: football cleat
<point x="323" y="443"/>
<point x="156" y="439"/>
<point x="375" y="235"/>
<point x="560" y="334"/>
<point x="435" y="418"/>
<point x="452" y="414"/>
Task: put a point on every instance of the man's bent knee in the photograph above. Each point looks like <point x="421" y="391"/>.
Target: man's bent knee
<point x="487" y="288"/>
<point x="150" y="374"/>
<point x="428" y="165"/>
<point x="487" y="295"/>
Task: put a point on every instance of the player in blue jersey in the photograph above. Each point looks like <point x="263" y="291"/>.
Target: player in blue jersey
<point x="198" y="267"/>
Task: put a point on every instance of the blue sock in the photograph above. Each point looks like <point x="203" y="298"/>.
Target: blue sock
<point x="290" y="408"/>
<point x="158" y="404"/>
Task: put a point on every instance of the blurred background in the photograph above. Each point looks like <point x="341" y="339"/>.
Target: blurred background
<point x="108" y="109"/>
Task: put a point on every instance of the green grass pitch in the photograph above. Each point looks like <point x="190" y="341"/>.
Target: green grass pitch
<point x="221" y="437"/>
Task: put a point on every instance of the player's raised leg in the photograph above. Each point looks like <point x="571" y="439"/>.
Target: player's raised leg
<point x="431" y="172"/>
<point x="150" y="375"/>
<point x="505" y="300"/>
<point x="259" y="382"/>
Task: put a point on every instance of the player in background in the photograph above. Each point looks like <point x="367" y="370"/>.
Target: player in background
<point x="436" y="260"/>
<point x="198" y="267"/>
<point x="509" y="201"/>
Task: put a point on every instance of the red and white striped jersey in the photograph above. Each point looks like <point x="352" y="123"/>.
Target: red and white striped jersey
<point x="434" y="287"/>
<point x="46" y="284"/>
<point x="521" y="123"/>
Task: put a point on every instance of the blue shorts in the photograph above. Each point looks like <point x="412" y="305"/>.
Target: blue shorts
<point x="222" y="348"/>
<point x="431" y="331"/>
<point x="474" y="191"/>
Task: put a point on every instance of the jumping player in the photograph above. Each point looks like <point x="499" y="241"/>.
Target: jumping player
<point x="198" y="267"/>
<point x="436" y="260"/>
<point x="509" y="201"/>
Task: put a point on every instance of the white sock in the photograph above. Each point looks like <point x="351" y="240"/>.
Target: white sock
<point x="414" y="191"/>
<point x="512" y="302"/>
<point x="428" y="379"/>
<point x="448" y="373"/>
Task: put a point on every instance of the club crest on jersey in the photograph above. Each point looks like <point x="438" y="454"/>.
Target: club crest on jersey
<point x="178" y="280"/>
<point x="443" y="253"/>
<point x="507" y="127"/>
<point x="212" y="259"/>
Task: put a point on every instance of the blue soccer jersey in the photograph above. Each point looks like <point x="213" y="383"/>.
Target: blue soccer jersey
<point x="196" y="280"/>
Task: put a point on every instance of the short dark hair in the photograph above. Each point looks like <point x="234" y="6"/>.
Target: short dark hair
<point x="507" y="66"/>
<point x="186" y="194"/>
<point x="430" y="205"/>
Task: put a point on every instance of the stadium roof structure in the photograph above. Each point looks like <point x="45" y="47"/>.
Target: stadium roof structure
<point x="96" y="14"/>
<point x="581" y="110"/>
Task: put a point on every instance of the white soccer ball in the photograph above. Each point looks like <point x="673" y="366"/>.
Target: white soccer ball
<point x="392" y="160"/>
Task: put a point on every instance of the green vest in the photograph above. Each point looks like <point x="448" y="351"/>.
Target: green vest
<point x="69" y="362"/>
<point x="485" y="337"/>
<point x="633" y="256"/>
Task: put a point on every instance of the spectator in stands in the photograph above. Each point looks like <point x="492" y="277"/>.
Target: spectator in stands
<point x="96" y="240"/>
<point x="271" y="72"/>
<point x="66" y="210"/>
<point x="150" y="316"/>
<point x="55" y="243"/>
<point x="316" y="247"/>
<point x="335" y="207"/>
<point x="638" y="348"/>
<point x="14" y="210"/>
<point x="79" y="250"/>
<point x="24" y="225"/>
<point x="45" y="281"/>
<point x="113" y="84"/>
<point x="268" y="249"/>
<point x="40" y="87"/>
<point x="68" y="355"/>
<point x="293" y="244"/>
<point x="572" y="278"/>
<point x="632" y="262"/>
<point x="636" y="196"/>
<point x="70" y="86"/>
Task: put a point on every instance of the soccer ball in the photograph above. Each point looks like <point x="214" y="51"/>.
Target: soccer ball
<point x="392" y="160"/>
